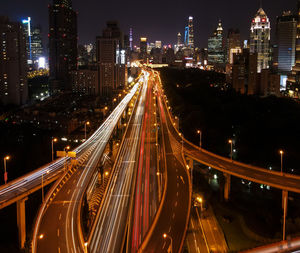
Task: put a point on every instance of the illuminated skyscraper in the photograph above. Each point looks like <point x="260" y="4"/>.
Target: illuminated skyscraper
<point x="186" y="36"/>
<point x="179" y="39"/>
<point x="27" y="27"/>
<point x="260" y="39"/>
<point x="286" y="31"/>
<point x="293" y="82"/>
<point x="233" y="44"/>
<point x="111" y="59"/>
<point x="13" y="65"/>
<point x="62" y="44"/>
<point x="215" y="47"/>
<point x="130" y="39"/>
<point x="191" y="32"/>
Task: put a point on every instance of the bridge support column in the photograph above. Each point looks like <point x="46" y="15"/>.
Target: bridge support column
<point x="227" y="186"/>
<point x="190" y="163"/>
<point x="21" y="221"/>
<point x="284" y="206"/>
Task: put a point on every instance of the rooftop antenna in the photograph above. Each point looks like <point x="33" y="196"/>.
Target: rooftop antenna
<point x="260" y="4"/>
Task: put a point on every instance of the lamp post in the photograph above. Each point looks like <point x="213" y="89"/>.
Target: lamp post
<point x="66" y="149"/>
<point x="85" y="247"/>
<point x="181" y="142"/>
<point x="167" y="236"/>
<point x="200" y="141"/>
<point x="281" y="158"/>
<point x="6" y="158"/>
<point x="230" y="142"/>
<point x="85" y="124"/>
<point x="52" y="142"/>
<point x="43" y="185"/>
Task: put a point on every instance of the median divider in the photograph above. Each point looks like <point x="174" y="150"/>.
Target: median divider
<point x="106" y="190"/>
<point x="157" y="215"/>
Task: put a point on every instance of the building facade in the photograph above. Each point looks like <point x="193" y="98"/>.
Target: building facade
<point x="260" y="39"/>
<point x="293" y="82"/>
<point x="215" y="47"/>
<point x="111" y="60"/>
<point x="286" y="31"/>
<point x="62" y="44"/>
<point x="13" y="63"/>
<point x="191" y="33"/>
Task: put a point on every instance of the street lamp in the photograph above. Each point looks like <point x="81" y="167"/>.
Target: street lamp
<point x="85" y="124"/>
<point x="43" y="184"/>
<point x="281" y="158"/>
<point x="52" y="142"/>
<point x="181" y="142"/>
<point x="230" y="142"/>
<point x="167" y="236"/>
<point x="86" y="247"/>
<point x="66" y="149"/>
<point x="6" y="158"/>
<point x="200" y="141"/>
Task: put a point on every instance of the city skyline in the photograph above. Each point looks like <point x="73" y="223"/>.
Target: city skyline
<point x="166" y="25"/>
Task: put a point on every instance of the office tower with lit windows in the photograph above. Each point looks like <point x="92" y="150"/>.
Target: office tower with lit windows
<point x="62" y="44"/>
<point x="178" y="39"/>
<point x="191" y="33"/>
<point x="186" y="36"/>
<point x="233" y="44"/>
<point x="260" y="39"/>
<point x="111" y="60"/>
<point x="215" y="48"/>
<point x="131" y="39"/>
<point x="293" y="82"/>
<point x="34" y="45"/>
<point x="13" y="63"/>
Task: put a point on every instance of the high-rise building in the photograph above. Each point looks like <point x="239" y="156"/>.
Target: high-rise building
<point x="186" y="36"/>
<point x="111" y="59"/>
<point x="37" y="43"/>
<point x="215" y="47"/>
<point x="178" y="39"/>
<point x="191" y="33"/>
<point x="130" y="39"/>
<point x="13" y="63"/>
<point x="260" y="39"/>
<point x="286" y="31"/>
<point x="27" y="28"/>
<point x="158" y="44"/>
<point x="34" y="44"/>
<point x="233" y="44"/>
<point x="62" y="44"/>
<point x="293" y="82"/>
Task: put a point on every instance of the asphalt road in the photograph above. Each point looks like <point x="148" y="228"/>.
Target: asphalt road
<point x="110" y="226"/>
<point x="58" y="223"/>
<point x="173" y="218"/>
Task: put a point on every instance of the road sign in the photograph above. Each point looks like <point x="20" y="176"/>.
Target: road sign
<point x="61" y="153"/>
<point x="72" y="154"/>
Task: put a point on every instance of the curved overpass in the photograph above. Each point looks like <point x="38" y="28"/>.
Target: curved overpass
<point x="282" y="181"/>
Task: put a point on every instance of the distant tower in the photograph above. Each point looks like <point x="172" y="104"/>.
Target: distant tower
<point x="62" y="44"/>
<point x="294" y="79"/>
<point x="186" y="36"/>
<point x="260" y="39"/>
<point x="178" y="39"/>
<point x="215" y="46"/>
<point x="191" y="32"/>
<point x="130" y="39"/>
<point x="28" y="33"/>
<point x="13" y="65"/>
<point x="286" y="31"/>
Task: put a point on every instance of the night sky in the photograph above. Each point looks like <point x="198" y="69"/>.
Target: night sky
<point x="155" y="19"/>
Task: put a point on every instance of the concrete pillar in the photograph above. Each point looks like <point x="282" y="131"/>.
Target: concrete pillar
<point x="284" y="206"/>
<point x="21" y="221"/>
<point x="227" y="186"/>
